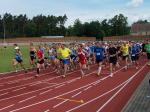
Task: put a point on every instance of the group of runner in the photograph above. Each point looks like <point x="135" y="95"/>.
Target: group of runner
<point x="68" y="57"/>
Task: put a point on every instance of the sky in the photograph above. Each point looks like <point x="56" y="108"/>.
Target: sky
<point x="85" y="10"/>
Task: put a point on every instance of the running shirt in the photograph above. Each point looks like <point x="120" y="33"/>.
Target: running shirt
<point x="65" y="53"/>
<point x="125" y="50"/>
<point x="112" y="51"/>
<point x="134" y="50"/>
<point x="18" y="57"/>
<point x="99" y="52"/>
<point x="82" y="56"/>
<point x="147" y="47"/>
<point x="39" y="54"/>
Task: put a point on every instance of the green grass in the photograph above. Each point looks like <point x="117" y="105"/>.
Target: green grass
<point x="7" y="54"/>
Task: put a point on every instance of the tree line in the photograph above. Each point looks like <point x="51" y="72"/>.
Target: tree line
<point x="41" y="25"/>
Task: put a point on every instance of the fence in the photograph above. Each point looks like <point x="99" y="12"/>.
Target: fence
<point x="127" y="37"/>
<point x="38" y="39"/>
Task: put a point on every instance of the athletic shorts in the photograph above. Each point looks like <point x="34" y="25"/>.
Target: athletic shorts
<point x="41" y="61"/>
<point x="32" y="58"/>
<point x="73" y="57"/>
<point x="52" y="57"/>
<point x="124" y="57"/>
<point x="83" y="61"/>
<point x="148" y="56"/>
<point x="19" y="60"/>
<point x="99" y="60"/>
<point x="65" y="61"/>
<point x="113" y="60"/>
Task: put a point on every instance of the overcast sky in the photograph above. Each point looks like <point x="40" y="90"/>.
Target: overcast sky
<point x="85" y="10"/>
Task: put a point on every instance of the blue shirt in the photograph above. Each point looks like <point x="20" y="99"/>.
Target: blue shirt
<point x="99" y="51"/>
<point x="135" y="49"/>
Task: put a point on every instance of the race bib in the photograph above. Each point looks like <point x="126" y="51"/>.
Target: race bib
<point x="98" y="54"/>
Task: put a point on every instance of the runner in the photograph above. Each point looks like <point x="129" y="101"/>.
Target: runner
<point x="134" y="52"/>
<point x="82" y="60"/>
<point x="65" y="54"/>
<point x="18" y="59"/>
<point x="40" y="60"/>
<point x="112" y="51"/>
<point x="125" y="54"/>
<point x="147" y="48"/>
<point x="32" y="55"/>
<point x="99" y="56"/>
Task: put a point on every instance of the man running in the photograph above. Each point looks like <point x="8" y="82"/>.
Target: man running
<point x="112" y="51"/>
<point x="65" y="54"/>
<point x="99" y="56"/>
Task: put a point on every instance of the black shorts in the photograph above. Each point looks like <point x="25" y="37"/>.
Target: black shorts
<point x="32" y="58"/>
<point x="73" y="57"/>
<point x="124" y="57"/>
<point x="113" y="60"/>
<point x="148" y="56"/>
<point x="41" y="61"/>
<point x="19" y="61"/>
<point x="99" y="60"/>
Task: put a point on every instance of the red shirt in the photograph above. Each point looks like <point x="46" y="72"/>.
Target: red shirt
<point x="81" y="54"/>
<point x="39" y="54"/>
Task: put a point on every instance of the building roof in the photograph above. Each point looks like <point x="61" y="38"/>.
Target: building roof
<point x="140" y="27"/>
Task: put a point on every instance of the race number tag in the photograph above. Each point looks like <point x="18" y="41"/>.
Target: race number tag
<point x="98" y="54"/>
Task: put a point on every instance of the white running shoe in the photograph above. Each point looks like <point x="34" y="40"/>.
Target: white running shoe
<point x="111" y="74"/>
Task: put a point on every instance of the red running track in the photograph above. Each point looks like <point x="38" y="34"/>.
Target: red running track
<point x="21" y="92"/>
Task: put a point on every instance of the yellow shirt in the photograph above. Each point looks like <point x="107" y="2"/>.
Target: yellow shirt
<point x="59" y="53"/>
<point x="125" y="49"/>
<point x="65" y="53"/>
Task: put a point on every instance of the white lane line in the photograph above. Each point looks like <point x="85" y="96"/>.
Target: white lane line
<point x="87" y="88"/>
<point x="77" y="107"/>
<point x="4" y="94"/>
<point x="46" y="91"/>
<point x="18" y="80"/>
<point x="53" y="97"/>
<point x="58" y="95"/>
<point x="60" y="103"/>
<point x="23" y="85"/>
<point x="6" y="107"/>
<point x="35" y="82"/>
<point x="60" y="86"/>
<point x="97" y="97"/>
<point x="27" y="99"/>
<point x="94" y="83"/>
<point x="18" y="89"/>
<point x="76" y="94"/>
<point x="17" y="75"/>
<point x="129" y="80"/>
<point x="47" y="110"/>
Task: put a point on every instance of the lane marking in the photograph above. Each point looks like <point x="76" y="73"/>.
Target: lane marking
<point x="71" y="100"/>
<point x="125" y="82"/>
<point x="76" y="94"/>
<point x="96" y="97"/>
<point x="130" y="79"/>
<point x="60" y="86"/>
<point x="87" y="88"/>
<point x="4" y="94"/>
<point x="46" y="91"/>
<point x="60" y="103"/>
<point x="35" y="82"/>
<point x="6" y="107"/>
<point x="47" y="110"/>
<point x="43" y="101"/>
<point x="18" y="89"/>
<point x="27" y="99"/>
